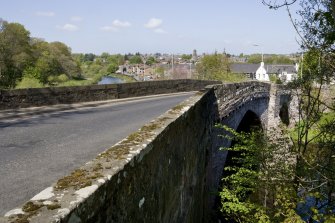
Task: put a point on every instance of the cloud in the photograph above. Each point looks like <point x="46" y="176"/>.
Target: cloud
<point x="153" y="23"/>
<point x="109" y="28"/>
<point x="69" y="27"/>
<point x="116" y="26"/>
<point x="76" y="19"/>
<point x="45" y="14"/>
<point x="118" y="23"/>
<point x="160" y="30"/>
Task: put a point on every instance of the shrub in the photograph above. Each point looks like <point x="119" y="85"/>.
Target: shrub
<point x="29" y="82"/>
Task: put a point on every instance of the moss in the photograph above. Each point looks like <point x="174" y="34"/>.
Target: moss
<point x="97" y="167"/>
<point x="31" y="207"/>
<point x="121" y="150"/>
<point x="78" y="179"/>
<point x="178" y="107"/>
<point x="30" y="210"/>
<point x="21" y="220"/>
<point x="95" y="176"/>
<point x="53" y="206"/>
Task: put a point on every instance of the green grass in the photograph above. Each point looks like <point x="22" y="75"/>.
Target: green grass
<point x="75" y="83"/>
<point x="234" y="77"/>
<point x="325" y="118"/>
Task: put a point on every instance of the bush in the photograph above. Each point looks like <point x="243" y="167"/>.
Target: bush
<point x="62" y="78"/>
<point x="29" y="82"/>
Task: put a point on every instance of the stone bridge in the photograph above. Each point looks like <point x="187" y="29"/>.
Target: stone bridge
<point x="168" y="171"/>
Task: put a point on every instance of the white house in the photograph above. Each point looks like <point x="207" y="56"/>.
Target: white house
<point x="286" y="72"/>
<point x="261" y="73"/>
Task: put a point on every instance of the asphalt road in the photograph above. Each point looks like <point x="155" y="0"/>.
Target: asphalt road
<point x="37" y="150"/>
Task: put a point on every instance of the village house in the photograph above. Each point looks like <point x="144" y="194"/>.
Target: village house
<point x="286" y="72"/>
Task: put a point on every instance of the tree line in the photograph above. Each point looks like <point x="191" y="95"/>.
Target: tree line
<point x="25" y="58"/>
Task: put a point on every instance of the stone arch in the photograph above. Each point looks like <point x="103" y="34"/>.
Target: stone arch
<point x="249" y="121"/>
<point x="252" y="107"/>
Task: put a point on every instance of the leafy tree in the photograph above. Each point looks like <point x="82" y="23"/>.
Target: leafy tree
<point x="313" y="136"/>
<point x="309" y="189"/>
<point x="136" y="59"/>
<point x="160" y="71"/>
<point x="116" y="59"/>
<point x="150" y="61"/>
<point x="112" y="68"/>
<point x="186" y="56"/>
<point x="89" y="57"/>
<point x="255" y="183"/>
<point x="22" y="56"/>
<point x="47" y="65"/>
<point x="213" y="67"/>
<point x="269" y="59"/>
<point x="29" y="82"/>
<point x="255" y="58"/>
<point x="105" y="55"/>
<point x="62" y="54"/>
<point x="15" y="53"/>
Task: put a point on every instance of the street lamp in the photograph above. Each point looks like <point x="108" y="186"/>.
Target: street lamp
<point x="261" y="50"/>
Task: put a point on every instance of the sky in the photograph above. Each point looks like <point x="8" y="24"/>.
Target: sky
<point x="163" y="26"/>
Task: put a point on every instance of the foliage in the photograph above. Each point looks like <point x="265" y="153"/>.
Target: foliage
<point x="56" y="80"/>
<point x="275" y="79"/>
<point x="29" y="82"/>
<point x="136" y="59"/>
<point x="213" y="67"/>
<point x="314" y="134"/>
<point x="269" y="59"/>
<point x="89" y="57"/>
<point x="160" y="71"/>
<point x="217" y="67"/>
<point x="258" y="181"/>
<point x="150" y="61"/>
<point x="186" y="56"/>
<point x="15" y="53"/>
<point x="112" y="68"/>
<point x="22" y="56"/>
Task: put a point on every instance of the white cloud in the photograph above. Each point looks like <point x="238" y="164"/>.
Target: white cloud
<point x="153" y="23"/>
<point x="69" y="27"/>
<point x="160" y="30"/>
<point x="121" y="24"/>
<point x="116" y="26"/>
<point x="109" y="28"/>
<point x="46" y="14"/>
<point x="76" y="19"/>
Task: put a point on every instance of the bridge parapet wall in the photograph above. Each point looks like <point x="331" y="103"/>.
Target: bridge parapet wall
<point x="165" y="172"/>
<point x="154" y="175"/>
<point x="21" y="98"/>
<point x="233" y="96"/>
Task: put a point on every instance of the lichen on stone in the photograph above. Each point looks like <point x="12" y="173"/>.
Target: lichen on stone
<point x="53" y="206"/>
<point x="77" y="179"/>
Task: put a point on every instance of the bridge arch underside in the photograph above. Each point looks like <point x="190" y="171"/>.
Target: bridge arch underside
<point x="250" y="114"/>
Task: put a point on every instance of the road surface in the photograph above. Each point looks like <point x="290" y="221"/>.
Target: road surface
<point x="37" y="150"/>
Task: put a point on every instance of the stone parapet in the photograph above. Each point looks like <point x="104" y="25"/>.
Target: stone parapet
<point x="33" y="97"/>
